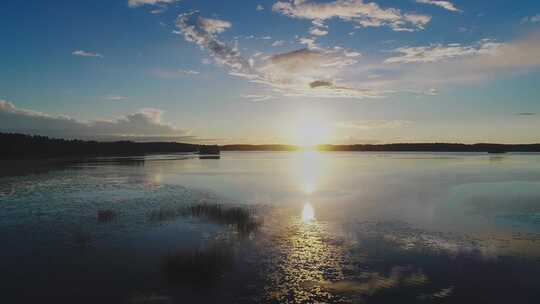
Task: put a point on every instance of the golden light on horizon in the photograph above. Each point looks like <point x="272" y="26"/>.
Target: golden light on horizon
<point x="310" y="131"/>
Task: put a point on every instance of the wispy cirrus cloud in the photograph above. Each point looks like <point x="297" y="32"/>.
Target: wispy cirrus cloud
<point x="146" y="123"/>
<point x="531" y="19"/>
<point x="137" y="3"/>
<point x="82" y="53"/>
<point x="116" y="97"/>
<point x="258" y="97"/>
<point x="317" y="71"/>
<point x="307" y="72"/>
<point x="192" y="27"/>
<point x="213" y="26"/>
<point x="434" y="67"/>
<point x="173" y="73"/>
<point x="447" y="5"/>
<point x="373" y="124"/>
<point x="440" y="52"/>
<point x="357" y="11"/>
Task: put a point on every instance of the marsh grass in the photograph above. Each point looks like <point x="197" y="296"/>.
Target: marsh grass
<point x="240" y="218"/>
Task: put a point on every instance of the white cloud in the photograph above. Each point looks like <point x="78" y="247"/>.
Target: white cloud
<point x="357" y="11"/>
<point x="86" y="54"/>
<point x="173" y="73"/>
<point x="259" y="7"/>
<point x="309" y="72"/>
<point x="476" y="63"/>
<point x="439" y="52"/>
<point x="278" y="43"/>
<point x="188" y="72"/>
<point x="145" y="123"/>
<point x="213" y="26"/>
<point x="137" y="3"/>
<point x="531" y="19"/>
<point x="373" y="124"/>
<point x="258" y="97"/>
<point x="116" y="97"/>
<point x="158" y="11"/>
<point x="444" y="4"/>
<point x="318" y="31"/>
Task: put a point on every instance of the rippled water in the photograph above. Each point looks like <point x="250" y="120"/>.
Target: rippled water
<point x="280" y="227"/>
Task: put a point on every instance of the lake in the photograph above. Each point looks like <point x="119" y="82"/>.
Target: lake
<point x="273" y="227"/>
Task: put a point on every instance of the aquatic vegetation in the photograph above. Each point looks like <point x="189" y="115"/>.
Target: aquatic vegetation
<point x="241" y="219"/>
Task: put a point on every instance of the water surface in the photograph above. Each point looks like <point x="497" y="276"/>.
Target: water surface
<point x="279" y="227"/>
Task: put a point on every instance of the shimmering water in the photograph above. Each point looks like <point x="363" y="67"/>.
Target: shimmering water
<point x="280" y="227"/>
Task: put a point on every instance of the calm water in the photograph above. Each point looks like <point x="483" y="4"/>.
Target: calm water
<point x="279" y="227"/>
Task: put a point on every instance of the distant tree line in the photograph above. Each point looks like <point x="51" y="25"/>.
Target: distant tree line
<point x="19" y="145"/>
<point x="401" y="147"/>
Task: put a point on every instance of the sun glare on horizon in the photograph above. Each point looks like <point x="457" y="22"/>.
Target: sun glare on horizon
<point x="309" y="132"/>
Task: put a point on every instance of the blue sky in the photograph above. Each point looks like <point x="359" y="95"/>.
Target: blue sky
<point x="304" y="72"/>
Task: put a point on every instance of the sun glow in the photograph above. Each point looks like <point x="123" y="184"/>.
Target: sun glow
<point x="309" y="132"/>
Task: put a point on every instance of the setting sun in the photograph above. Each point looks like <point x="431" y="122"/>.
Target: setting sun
<point x="309" y="132"/>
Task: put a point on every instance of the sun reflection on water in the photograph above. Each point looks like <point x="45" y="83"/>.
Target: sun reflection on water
<point x="308" y="214"/>
<point x="307" y="170"/>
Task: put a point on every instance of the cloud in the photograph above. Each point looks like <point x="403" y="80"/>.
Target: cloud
<point x="290" y="73"/>
<point x="278" y="43"/>
<point x="311" y="72"/>
<point x="258" y="97"/>
<point x="436" y="66"/>
<point x="158" y="11"/>
<point x="137" y="3"/>
<point x="444" y="4"/>
<point x="439" y="52"/>
<point x="116" y="97"/>
<point x="200" y="33"/>
<point x="146" y="123"/>
<point x="525" y="114"/>
<point x="173" y="73"/>
<point x="374" y="124"/>
<point x="357" y="11"/>
<point x="531" y="19"/>
<point x="317" y="31"/>
<point x="259" y="7"/>
<point x="86" y="54"/>
<point x="213" y="26"/>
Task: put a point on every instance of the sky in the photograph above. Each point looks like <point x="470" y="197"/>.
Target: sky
<point x="267" y="71"/>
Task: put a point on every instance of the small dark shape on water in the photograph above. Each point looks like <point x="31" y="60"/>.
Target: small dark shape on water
<point x="209" y="150"/>
<point x="106" y="216"/>
<point x="209" y="157"/>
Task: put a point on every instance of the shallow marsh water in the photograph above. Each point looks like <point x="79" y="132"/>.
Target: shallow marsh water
<point x="279" y="227"/>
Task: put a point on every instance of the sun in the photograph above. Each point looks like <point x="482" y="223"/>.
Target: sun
<point x="310" y="131"/>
